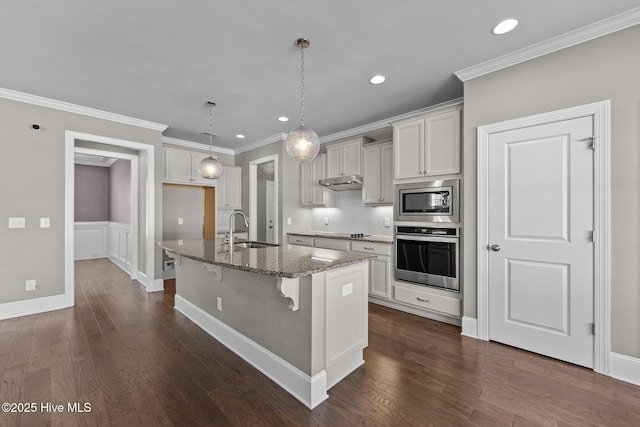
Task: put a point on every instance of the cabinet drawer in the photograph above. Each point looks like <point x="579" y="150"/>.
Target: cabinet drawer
<point x="301" y="240"/>
<point x="337" y="244"/>
<point x="371" y="248"/>
<point x="428" y="300"/>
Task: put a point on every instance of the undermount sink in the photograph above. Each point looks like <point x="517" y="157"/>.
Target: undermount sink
<point x="253" y="245"/>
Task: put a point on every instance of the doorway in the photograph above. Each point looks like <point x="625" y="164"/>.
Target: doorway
<point x="543" y="277"/>
<point x="263" y="199"/>
<point x="115" y="234"/>
<point x="145" y="222"/>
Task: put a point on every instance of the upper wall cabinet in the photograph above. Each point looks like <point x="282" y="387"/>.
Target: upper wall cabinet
<point x="229" y="188"/>
<point x="377" y="174"/>
<point x="182" y="167"/>
<point x="312" y="194"/>
<point x="343" y="158"/>
<point x="427" y="145"/>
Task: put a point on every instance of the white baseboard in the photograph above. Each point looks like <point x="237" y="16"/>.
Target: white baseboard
<point x="469" y="327"/>
<point x="32" y="306"/>
<point x="625" y="368"/>
<point x="309" y="390"/>
<point x="156" y="286"/>
<point x="120" y="263"/>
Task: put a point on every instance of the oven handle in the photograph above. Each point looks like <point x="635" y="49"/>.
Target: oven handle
<point x="427" y="239"/>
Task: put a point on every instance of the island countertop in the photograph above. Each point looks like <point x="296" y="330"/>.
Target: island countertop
<point x="279" y="261"/>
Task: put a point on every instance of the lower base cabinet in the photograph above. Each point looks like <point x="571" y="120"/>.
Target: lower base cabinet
<point x="430" y="301"/>
<point x="379" y="268"/>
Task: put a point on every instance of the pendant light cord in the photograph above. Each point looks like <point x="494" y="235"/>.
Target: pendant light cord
<point x="302" y="86"/>
<point x="210" y="129"/>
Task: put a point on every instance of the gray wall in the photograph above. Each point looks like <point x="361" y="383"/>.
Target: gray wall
<point x="601" y="69"/>
<point x="34" y="192"/>
<point x="120" y="191"/>
<point x="91" y="193"/>
<point x="181" y="202"/>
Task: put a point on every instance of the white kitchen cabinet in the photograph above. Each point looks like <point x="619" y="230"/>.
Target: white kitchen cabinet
<point x="300" y="240"/>
<point x="377" y="174"/>
<point x="344" y="158"/>
<point x="379" y="268"/>
<point x="329" y="243"/>
<point x="182" y="167"/>
<point x="427" y="145"/>
<point x="229" y="188"/>
<point x="312" y="194"/>
<point x="422" y="298"/>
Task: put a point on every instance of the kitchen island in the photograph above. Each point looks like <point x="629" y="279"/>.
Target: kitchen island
<point x="297" y="314"/>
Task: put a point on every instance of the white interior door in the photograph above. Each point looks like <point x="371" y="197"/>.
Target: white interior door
<point x="270" y="215"/>
<point x="541" y="257"/>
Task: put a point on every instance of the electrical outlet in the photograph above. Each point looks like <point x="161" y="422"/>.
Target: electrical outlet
<point x="387" y="222"/>
<point x="16" y="223"/>
<point x="45" y="222"/>
<point x="219" y="303"/>
<point x="30" y="285"/>
<point x="180" y="221"/>
<point x="347" y="289"/>
<point x="326" y="220"/>
<point x="289" y="221"/>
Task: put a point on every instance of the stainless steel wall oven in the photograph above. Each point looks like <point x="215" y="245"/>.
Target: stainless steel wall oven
<point x="427" y="256"/>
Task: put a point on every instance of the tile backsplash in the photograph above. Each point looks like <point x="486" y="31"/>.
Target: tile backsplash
<point x="349" y="216"/>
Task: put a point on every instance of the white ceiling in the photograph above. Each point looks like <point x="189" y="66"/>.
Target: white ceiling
<point x="161" y="61"/>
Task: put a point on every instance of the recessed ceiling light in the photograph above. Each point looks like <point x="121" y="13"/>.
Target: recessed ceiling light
<point x="377" y="79"/>
<point x="505" y="26"/>
<point x="240" y="136"/>
<point x="283" y="119"/>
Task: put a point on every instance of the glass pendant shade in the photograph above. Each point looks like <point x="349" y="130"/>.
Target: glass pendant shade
<point x="302" y="144"/>
<point x="210" y="168"/>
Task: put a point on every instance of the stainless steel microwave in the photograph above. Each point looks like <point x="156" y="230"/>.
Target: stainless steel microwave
<point x="431" y="201"/>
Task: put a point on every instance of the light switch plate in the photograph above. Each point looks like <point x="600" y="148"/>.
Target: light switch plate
<point x="15" y="222"/>
<point x="289" y="220"/>
<point x="30" y="285"/>
<point x="180" y="221"/>
<point x="45" y="222"/>
<point x="387" y="222"/>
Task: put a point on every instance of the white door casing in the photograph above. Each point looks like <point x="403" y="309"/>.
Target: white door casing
<point x="541" y="230"/>
<point x="270" y="219"/>
<point x="253" y="196"/>
<point x="540" y="224"/>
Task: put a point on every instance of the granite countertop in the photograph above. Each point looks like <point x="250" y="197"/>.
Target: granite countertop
<point x="346" y="236"/>
<point x="280" y="261"/>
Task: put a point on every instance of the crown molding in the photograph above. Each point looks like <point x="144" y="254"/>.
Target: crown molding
<point x="195" y="145"/>
<point x="278" y="137"/>
<point x="589" y="32"/>
<point x="380" y="124"/>
<point x="78" y="109"/>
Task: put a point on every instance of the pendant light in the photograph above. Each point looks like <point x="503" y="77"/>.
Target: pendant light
<point x="210" y="167"/>
<point x="302" y="144"/>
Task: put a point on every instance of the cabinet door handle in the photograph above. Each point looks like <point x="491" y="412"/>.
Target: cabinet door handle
<point x="428" y="301"/>
<point x="367" y="248"/>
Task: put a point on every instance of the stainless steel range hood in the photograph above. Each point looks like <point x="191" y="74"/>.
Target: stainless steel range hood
<point x="343" y="183"/>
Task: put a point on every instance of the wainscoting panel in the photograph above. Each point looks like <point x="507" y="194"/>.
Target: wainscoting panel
<point x="104" y="239"/>
<point x="120" y="245"/>
<point x="90" y="239"/>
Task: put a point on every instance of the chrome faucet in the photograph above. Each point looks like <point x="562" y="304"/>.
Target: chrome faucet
<point x="231" y="225"/>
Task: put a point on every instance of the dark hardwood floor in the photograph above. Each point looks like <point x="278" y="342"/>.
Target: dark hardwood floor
<point x="138" y="362"/>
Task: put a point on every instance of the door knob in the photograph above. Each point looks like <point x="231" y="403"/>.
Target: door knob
<point x="495" y="248"/>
